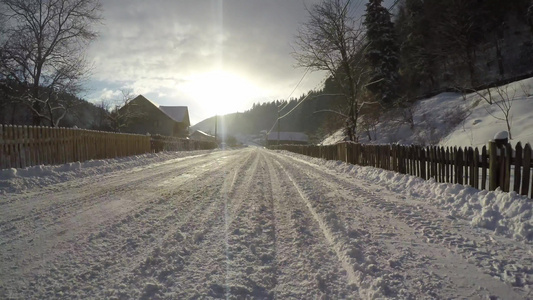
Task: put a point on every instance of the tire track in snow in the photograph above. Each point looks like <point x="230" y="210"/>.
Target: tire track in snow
<point x="205" y="258"/>
<point x="152" y="275"/>
<point x="422" y="223"/>
<point x="125" y="234"/>
<point x="348" y="243"/>
<point x="235" y="261"/>
<point x="307" y="266"/>
<point x="338" y="248"/>
<point x="25" y="215"/>
<point x="250" y="237"/>
<point x="113" y="203"/>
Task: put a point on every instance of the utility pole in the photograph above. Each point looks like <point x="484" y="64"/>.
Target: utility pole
<point x="278" y="126"/>
<point x="216" y="121"/>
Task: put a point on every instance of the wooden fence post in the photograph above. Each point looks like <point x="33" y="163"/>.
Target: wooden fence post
<point x="2" y="151"/>
<point x="527" y="166"/>
<point x="494" y="168"/>
<point x="475" y="175"/>
<point x="507" y="168"/>
<point x="483" y="167"/>
<point x="517" y="168"/>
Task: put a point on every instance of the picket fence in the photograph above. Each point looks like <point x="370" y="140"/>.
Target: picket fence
<point x="25" y="146"/>
<point x="489" y="168"/>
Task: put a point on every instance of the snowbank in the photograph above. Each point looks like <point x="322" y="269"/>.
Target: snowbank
<point x="504" y="213"/>
<point x="19" y="180"/>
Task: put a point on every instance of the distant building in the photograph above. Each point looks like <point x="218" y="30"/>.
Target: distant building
<point x="199" y="135"/>
<point x="143" y="116"/>
<point x="285" y="138"/>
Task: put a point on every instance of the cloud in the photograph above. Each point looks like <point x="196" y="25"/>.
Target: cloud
<point x="154" y="47"/>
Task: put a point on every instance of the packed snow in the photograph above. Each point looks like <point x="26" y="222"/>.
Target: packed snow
<point x="253" y="223"/>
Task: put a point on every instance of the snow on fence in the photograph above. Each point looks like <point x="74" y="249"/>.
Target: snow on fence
<point x="25" y="146"/>
<point x="488" y="168"/>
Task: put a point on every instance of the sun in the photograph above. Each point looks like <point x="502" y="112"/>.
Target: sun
<point x="221" y="92"/>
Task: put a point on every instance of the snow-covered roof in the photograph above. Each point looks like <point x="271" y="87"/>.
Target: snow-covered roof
<point x="177" y="113"/>
<point x="199" y="132"/>
<point x="289" y="136"/>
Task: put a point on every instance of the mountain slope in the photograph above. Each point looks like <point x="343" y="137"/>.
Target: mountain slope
<point x="455" y="119"/>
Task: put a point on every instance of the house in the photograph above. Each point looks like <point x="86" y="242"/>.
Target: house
<point x="142" y="116"/>
<point x="199" y="135"/>
<point x="295" y="138"/>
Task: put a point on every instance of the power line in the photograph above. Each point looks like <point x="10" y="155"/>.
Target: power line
<point x="306" y="71"/>
<point x="301" y="101"/>
<point x="288" y="98"/>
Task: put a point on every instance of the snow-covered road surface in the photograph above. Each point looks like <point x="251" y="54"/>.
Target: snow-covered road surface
<point x="241" y="224"/>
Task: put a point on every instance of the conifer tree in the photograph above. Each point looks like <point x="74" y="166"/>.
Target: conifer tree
<point x="382" y="53"/>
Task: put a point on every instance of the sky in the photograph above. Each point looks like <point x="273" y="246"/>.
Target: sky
<point x="214" y="56"/>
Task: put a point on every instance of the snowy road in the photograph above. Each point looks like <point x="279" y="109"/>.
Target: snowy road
<point x="243" y="224"/>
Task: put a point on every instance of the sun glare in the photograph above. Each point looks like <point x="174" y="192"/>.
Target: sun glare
<point x="221" y="92"/>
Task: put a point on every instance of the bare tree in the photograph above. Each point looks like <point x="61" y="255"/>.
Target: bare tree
<point x="43" y="44"/>
<point x="122" y="112"/>
<point x="332" y="41"/>
<point x="503" y="100"/>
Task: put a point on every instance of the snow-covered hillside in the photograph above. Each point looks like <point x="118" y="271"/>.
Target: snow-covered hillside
<point x="455" y="119"/>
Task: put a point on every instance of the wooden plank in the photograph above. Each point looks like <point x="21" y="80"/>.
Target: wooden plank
<point x="17" y="140"/>
<point x="493" y="166"/>
<point x="471" y="176"/>
<point x="423" y="173"/>
<point x="56" y="159"/>
<point x="429" y="160"/>
<point x="31" y="147"/>
<point x="445" y="157"/>
<point x="395" y="158"/>
<point x="22" y="146"/>
<point x="476" y="168"/>
<point x="501" y="162"/>
<point x="460" y="165"/>
<point x="434" y="163"/>
<point x="37" y="145"/>
<point x="518" y="168"/>
<point x="27" y="142"/>
<point x="3" y="163"/>
<point x="465" y="169"/>
<point x="414" y="159"/>
<point x="59" y="146"/>
<point x="525" y="179"/>
<point x="508" y="158"/>
<point x="403" y="159"/>
<point x="531" y="188"/>
<point x="12" y="146"/>
<point x="47" y="133"/>
<point x="443" y="164"/>
<point x="484" y="167"/>
<point x="439" y="164"/>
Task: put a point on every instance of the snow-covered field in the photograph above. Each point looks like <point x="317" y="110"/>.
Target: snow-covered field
<point x="253" y="223"/>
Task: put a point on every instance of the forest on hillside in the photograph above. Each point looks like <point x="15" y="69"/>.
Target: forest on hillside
<point x="433" y="46"/>
<point x="391" y="57"/>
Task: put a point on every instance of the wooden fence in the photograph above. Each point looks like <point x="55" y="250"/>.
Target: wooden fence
<point x="167" y="143"/>
<point x="25" y="146"/>
<point x="488" y="168"/>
